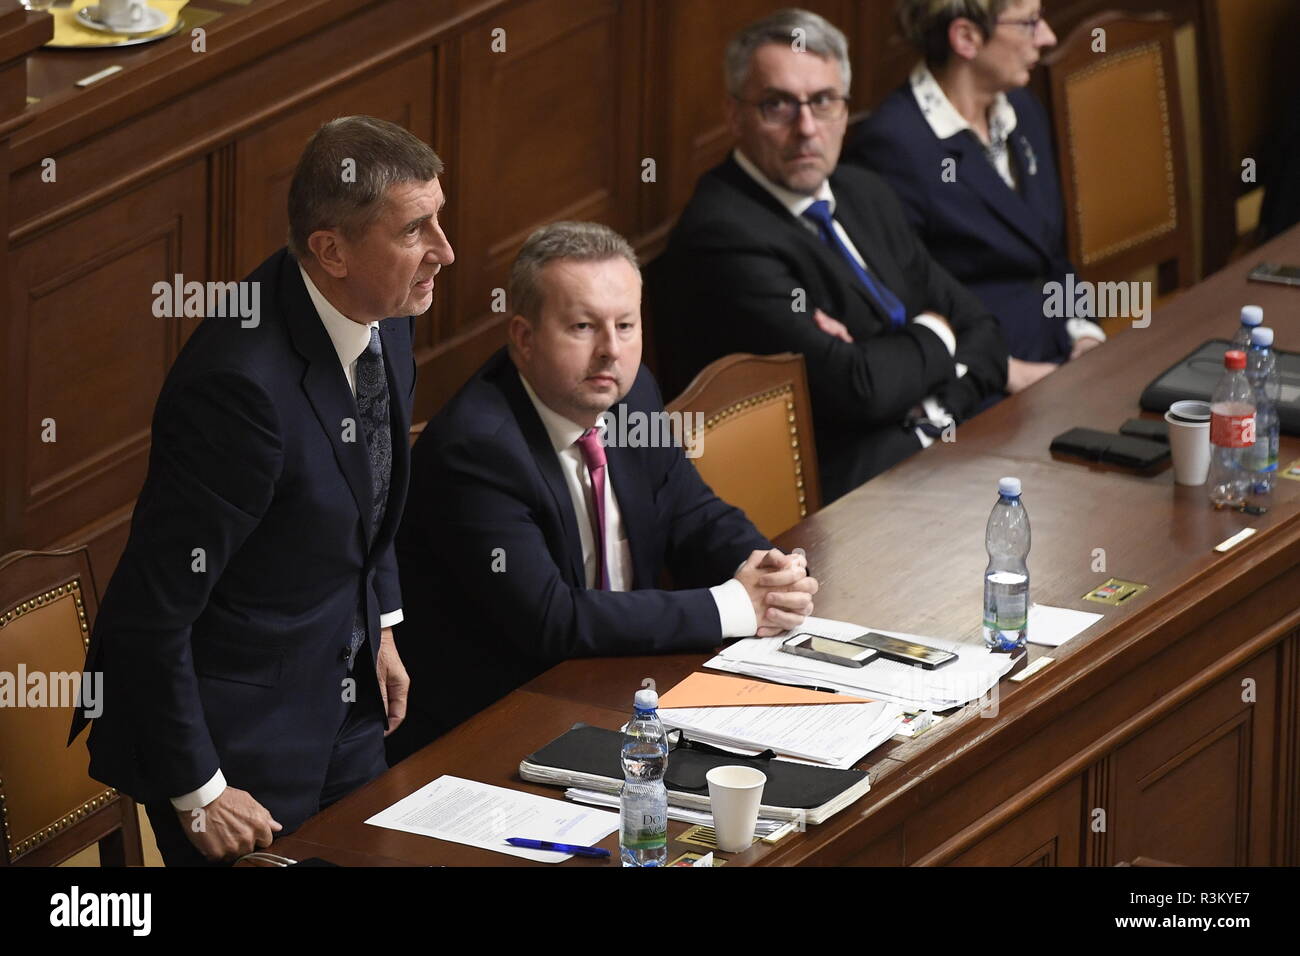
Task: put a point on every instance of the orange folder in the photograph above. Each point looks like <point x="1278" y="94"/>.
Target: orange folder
<point x="717" y="690"/>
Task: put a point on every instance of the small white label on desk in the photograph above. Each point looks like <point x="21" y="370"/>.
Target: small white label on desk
<point x="1235" y="540"/>
<point x="1032" y="669"/>
<point x="96" y="77"/>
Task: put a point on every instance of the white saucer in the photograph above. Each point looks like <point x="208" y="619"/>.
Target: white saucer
<point x="152" y="20"/>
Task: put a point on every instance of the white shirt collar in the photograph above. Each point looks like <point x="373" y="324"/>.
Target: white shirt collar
<point x="562" y="432"/>
<point x="943" y="117"/>
<point x="350" y="338"/>
<point x="795" y="202"/>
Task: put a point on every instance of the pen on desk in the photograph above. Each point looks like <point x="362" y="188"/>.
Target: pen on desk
<point x="824" y="690"/>
<point x="557" y="847"/>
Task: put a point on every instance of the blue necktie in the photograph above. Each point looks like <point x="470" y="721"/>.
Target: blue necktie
<point x="820" y="214"/>
<point x="372" y="404"/>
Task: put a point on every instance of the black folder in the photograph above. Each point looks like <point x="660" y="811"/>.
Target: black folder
<point x="590" y="757"/>
<point x="1194" y="377"/>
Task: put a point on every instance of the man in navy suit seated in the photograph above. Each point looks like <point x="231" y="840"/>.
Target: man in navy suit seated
<point x="968" y="151"/>
<point x="784" y="249"/>
<point x="532" y="537"/>
<point x="245" y="642"/>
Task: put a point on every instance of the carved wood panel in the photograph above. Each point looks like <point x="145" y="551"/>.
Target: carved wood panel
<point x="94" y="352"/>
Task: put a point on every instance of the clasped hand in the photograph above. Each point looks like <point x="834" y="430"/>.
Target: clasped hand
<point x="780" y="588"/>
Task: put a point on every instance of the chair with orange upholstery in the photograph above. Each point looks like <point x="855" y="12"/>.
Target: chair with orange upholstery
<point x="1119" y="132"/>
<point x="758" y="449"/>
<point x="50" y="808"/>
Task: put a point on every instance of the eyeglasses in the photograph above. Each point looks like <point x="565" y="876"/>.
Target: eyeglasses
<point x="1030" y="24"/>
<point x="782" y="109"/>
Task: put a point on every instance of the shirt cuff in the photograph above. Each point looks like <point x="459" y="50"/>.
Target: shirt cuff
<point x="202" y="796"/>
<point x="940" y="329"/>
<point x="1083" y="329"/>
<point x="735" y="609"/>
<point x="391" y="618"/>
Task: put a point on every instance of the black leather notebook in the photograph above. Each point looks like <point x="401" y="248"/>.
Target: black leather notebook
<point x="590" y="757"/>
<point x="1196" y="375"/>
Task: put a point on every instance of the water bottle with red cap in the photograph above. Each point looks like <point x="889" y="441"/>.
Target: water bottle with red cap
<point x="1232" y="433"/>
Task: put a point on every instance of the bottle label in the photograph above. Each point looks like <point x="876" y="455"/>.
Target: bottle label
<point x="1232" y="431"/>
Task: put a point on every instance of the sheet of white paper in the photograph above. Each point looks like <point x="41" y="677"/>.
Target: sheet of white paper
<point x="826" y="733"/>
<point x="1053" y="626"/>
<point x="963" y="680"/>
<point x="479" y="814"/>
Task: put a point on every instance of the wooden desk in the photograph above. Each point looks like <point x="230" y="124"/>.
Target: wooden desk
<point x="1167" y="730"/>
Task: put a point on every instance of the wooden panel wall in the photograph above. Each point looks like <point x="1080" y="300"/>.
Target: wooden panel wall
<point x="181" y="163"/>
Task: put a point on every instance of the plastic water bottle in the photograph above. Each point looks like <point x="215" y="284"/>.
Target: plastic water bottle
<point x="1006" y="580"/>
<point x="1261" y="371"/>
<point x="643" y="833"/>
<point x="1252" y="316"/>
<point x="1232" y="432"/>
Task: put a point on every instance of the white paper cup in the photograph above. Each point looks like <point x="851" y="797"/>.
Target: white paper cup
<point x="1189" y="444"/>
<point x="734" y="796"/>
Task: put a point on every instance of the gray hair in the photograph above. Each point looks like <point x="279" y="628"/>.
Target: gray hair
<point x="344" y="173"/>
<point x="925" y="23"/>
<point x="815" y="34"/>
<point x="579" y="241"/>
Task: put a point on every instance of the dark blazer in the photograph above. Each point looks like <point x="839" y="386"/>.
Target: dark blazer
<point x="491" y="560"/>
<point x="1002" y="244"/>
<point x="235" y="657"/>
<point x="737" y="268"/>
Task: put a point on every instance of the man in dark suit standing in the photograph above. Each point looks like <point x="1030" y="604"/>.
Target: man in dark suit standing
<point x="245" y="637"/>
<point x="532" y="537"/>
<point x="778" y="250"/>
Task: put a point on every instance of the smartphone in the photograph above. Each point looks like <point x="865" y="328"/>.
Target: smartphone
<point x="1272" y="272"/>
<point x="905" y="652"/>
<point x="845" y="653"/>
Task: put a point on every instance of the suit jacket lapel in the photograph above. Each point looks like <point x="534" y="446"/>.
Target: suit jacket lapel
<point x="548" y="463"/>
<point x="327" y="389"/>
<point x="830" y="258"/>
<point x="627" y="479"/>
<point x="976" y="173"/>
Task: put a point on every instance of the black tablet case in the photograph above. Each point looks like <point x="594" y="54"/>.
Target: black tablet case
<point x="1196" y="375"/>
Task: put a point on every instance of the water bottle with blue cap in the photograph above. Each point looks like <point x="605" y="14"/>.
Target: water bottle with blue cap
<point x="1006" y="580"/>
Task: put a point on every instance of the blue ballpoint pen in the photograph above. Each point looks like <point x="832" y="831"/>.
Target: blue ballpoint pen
<point x="557" y="847"/>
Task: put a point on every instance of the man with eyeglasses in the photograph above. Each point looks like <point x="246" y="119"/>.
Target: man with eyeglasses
<point x="778" y="250"/>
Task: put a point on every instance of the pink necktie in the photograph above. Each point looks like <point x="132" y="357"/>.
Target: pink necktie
<point x="593" y="452"/>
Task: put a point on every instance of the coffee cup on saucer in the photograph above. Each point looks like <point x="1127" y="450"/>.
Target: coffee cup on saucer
<point x="121" y="14"/>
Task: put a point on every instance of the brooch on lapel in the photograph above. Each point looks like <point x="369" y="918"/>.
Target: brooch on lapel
<point x="1031" y="160"/>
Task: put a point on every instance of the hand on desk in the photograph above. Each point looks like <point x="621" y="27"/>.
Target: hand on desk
<point x="780" y="588"/>
<point x="1085" y="344"/>
<point x="394" y="683"/>
<point x="229" y="826"/>
<point x="1020" y="375"/>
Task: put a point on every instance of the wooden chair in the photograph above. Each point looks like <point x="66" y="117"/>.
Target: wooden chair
<point x="1120" y="143"/>
<point x="50" y="808"/>
<point x="758" y="447"/>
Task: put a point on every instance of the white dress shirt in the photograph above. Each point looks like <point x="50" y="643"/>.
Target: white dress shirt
<point x="350" y="340"/>
<point x="945" y="122"/>
<point x="735" y="610"/>
<point x="797" y="204"/>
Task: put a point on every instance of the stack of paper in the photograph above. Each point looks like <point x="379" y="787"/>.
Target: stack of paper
<point x="748" y="716"/>
<point x="969" y="677"/>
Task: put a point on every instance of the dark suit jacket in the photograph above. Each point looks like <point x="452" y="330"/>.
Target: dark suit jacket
<point x="491" y="561"/>
<point x="239" y="664"/>
<point x="1000" y="243"/>
<point x="738" y="265"/>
